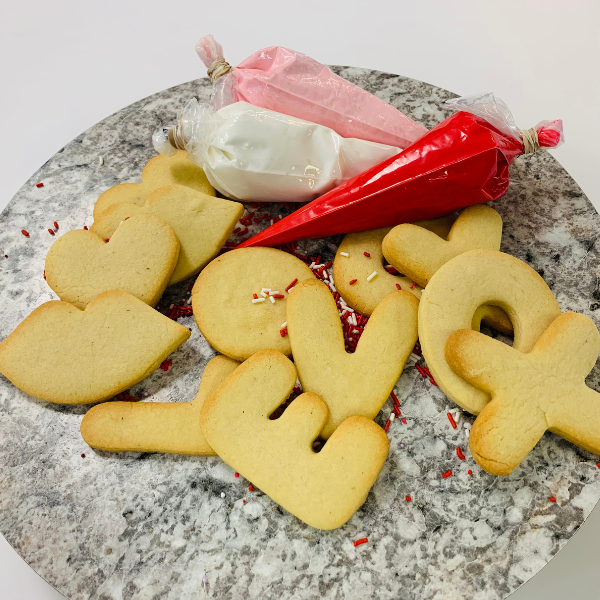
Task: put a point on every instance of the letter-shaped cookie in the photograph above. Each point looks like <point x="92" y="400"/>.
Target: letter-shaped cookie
<point x="322" y="489"/>
<point x="139" y="260"/>
<point x="160" y="170"/>
<point x="156" y="426"/>
<point x="351" y="384"/>
<point x="365" y="255"/>
<point x="62" y="354"/>
<point x="419" y="253"/>
<point x="223" y="294"/>
<point x="487" y="277"/>
<point x="544" y="389"/>
<point x="201" y="222"/>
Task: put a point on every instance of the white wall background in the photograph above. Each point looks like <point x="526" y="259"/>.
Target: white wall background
<point x="67" y="64"/>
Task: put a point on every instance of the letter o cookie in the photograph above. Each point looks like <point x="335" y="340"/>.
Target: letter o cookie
<point x="223" y="296"/>
<point x="487" y="277"/>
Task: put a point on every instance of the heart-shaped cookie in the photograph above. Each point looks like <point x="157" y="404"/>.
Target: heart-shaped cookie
<point x="139" y="259"/>
<point x="160" y="170"/>
<point x="201" y="222"/>
<point x="69" y="356"/>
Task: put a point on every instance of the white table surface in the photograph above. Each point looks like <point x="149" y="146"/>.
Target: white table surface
<point x="69" y="63"/>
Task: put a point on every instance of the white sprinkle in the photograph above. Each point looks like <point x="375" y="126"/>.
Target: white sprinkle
<point x="101" y="160"/>
<point x="372" y="276"/>
<point x="257" y="300"/>
<point x="266" y="290"/>
<point x="291" y="289"/>
<point x="170" y="307"/>
<point x="284" y="325"/>
<point x="264" y="294"/>
<point x="272" y="299"/>
<point x="222" y="494"/>
<point x="312" y="265"/>
<point x="273" y="292"/>
<point x="392" y="416"/>
<point x="356" y="331"/>
<point x="332" y="287"/>
<point x="344" y="254"/>
<point x="189" y="300"/>
<point x="280" y="217"/>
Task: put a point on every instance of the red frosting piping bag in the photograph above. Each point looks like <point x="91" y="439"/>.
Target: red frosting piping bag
<point x="464" y="160"/>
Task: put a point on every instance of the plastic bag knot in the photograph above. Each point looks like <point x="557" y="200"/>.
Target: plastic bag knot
<point x="531" y="142"/>
<point x="219" y="68"/>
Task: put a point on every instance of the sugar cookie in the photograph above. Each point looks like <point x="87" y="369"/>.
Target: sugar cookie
<point x="418" y="253"/>
<point x="139" y="259"/>
<point x="488" y="277"/>
<point x="62" y="354"/>
<point x="202" y="223"/>
<point x="543" y="389"/>
<point x="172" y="427"/>
<point x="350" y="384"/>
<point x="322" y="489"/>
<point x="160" y="170"/>
<point x="223" y="296"/>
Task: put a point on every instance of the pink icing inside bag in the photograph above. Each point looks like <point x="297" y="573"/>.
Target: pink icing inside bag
<point x="294" y="84"/>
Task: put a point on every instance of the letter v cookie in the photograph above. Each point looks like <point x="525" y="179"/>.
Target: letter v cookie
<point x="531" y="393"/>
<point x="418" y="253"/>
<point x="160" y="170"/>
<point x="351" y="384"/>
<point x="202" y="223"/>
<point x="322" y="489"/>
<point x="62" y="354"/>
<point x="139" y="259"/>
<point x="172" y="427"/>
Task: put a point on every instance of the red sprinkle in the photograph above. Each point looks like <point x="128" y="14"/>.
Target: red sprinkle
<point x="447" y="474"/>
<point x="107" y="239"/>
<point x="25" y="233"/>
<point x="83" y="456"/>
<point x="283" y="332"/>
<point x="404" y="421"/>
<point x="387" y="426"/>
<point x="470" y="472"/>
<point x="44" y="273"/>
<point x="352" y="282"/>
<point x="459" y="453"/>
<point x="39" y="185"/>
<point x="398" y="286"/>
<point x="395" y="398"/>
<point x="408" y="498"/>
<point x="367" y="254"/>
<point x="255" y="296"/>
<point x="552" y="499"/>
<point x="451" y="419"/>
<point x="597" y="464"/>
<point x="85" y="227"/>
<point x="55" y="225"/>
<point x="278" y="296"/>
<point x="244" y="501"/>
<point x="251" y="487"/>
<point x="51" y="231"/>
<point x="361" y="541"/>
<point x="237" y="475"/>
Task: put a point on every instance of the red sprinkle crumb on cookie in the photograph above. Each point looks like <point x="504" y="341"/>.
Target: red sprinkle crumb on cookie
<point x="255" y="296"/>
<point x="107" y="240"/>
<point x="552" y="499"/>
<point x="278" y="296"/>
<point x="367" y="254"/>
<point x="25" y="233"/>
<point x="51" y="231"/>
<point x="408" y="498"/>
<point x="459" y="453"/>
<point x="287" y="289"/>
<point x="447" y="474"/>
<point x="470" y="472"/>
<point x="361" y="541"/>
<point x="38" y="185"/>
<point x="283" y="332"/>
<point x="398" y="286"/>
<point x="352" y="282"/>
<point x="451" y="419"/>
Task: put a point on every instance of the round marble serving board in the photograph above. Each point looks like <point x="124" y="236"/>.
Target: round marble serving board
<point x="137" y="526"/>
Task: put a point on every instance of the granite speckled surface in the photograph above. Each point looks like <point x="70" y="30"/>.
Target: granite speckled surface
<point x="139" y="526"/>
